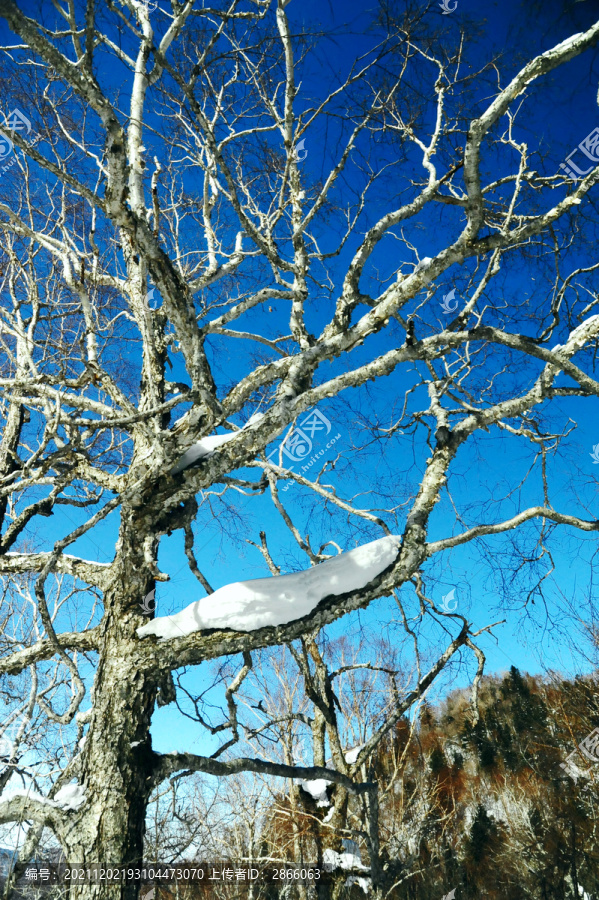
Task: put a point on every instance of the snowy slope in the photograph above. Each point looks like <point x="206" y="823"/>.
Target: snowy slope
<point x="247" y="605"/>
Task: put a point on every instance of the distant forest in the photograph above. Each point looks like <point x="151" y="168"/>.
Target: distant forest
<point x="488" y="808"/>
<point x="484" y="809"/>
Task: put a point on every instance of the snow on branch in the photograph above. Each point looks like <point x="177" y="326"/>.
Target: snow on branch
<point x="169" y="763"/>
<point x="69" y="797"/>
<point x="249" y="605"/>
<point x="207" y="445"/>
<point x="16" y="805"/>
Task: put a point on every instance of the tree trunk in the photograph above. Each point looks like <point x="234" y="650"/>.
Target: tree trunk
<point x="117" y="756"/>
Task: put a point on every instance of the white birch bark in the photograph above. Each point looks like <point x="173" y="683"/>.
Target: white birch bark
<point x="86" y="429"/>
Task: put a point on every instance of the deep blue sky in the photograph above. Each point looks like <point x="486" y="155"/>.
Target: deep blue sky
<point x="564" y="114"/>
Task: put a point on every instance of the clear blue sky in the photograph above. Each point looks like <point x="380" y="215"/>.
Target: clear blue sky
<point x="564" y="114"/>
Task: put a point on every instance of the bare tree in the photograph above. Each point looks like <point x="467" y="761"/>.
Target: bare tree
<point x="224" y="220"/>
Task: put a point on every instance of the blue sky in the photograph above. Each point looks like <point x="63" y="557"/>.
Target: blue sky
<point x="559" y="114"/>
